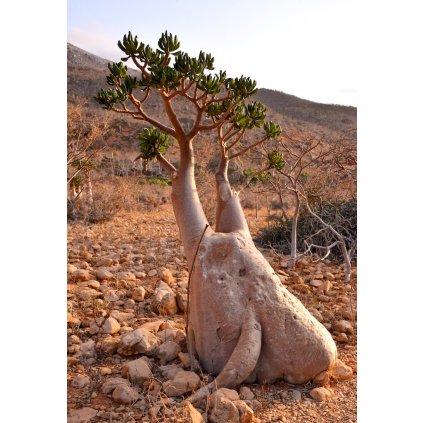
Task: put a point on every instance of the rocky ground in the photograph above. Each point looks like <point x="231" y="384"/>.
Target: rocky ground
<point x="127" y="361"/>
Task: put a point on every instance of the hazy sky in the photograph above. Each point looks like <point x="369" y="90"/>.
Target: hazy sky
<point x="302" y="47"/>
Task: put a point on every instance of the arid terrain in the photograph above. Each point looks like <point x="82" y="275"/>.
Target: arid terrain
<point x="113" y="274"/>
<point x="127" y="274"/>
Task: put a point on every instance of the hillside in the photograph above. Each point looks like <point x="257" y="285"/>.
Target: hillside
<point x="87" y="74"/>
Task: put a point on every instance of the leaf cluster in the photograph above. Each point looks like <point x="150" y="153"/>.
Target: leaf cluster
<point x="152" y="142"/>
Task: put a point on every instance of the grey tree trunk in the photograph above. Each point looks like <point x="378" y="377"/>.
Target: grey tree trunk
<point x="294" y="226"/>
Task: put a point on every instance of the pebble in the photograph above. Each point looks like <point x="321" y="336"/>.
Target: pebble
<point x="124" y="394"/>
<point x="111" y="326"/>
<point x="182" y="383"/>
<point x="320" y="394"/>
<point x="168" y="351"/>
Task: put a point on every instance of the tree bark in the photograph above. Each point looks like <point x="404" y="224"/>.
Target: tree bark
<point x="294" y="226"/>
<point x="229" y="214"/>
<point x="189" y="214"/>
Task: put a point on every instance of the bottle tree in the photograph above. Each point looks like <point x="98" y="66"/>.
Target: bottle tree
<point x="242" y="323"/>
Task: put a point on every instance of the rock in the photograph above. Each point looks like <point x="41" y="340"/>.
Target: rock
<point x="110" y="384"/>
<point x="104" y="262"/>
<point x="73" y="320"/>
<point x="164" y="300"/>
<point x="125" y="276"/>
<point x="316" y="313"/>
<point x="138" y="293"/>
<point x="103" y="274"/>
<point x="124" y="394"/>
<point x="110" y="295"/>
<point x="82" y="415"/>
<point x="182" y="301"/>
<point x="129" y="304"/>
<point x="88" y="349"/>
<point x="224" y="411"/>
<point x="139" y="341"/>
<point x="152" y="273"/>
<point x="325" y="286"/>
<point x="341" y="371"/>
<point x="169" y="371"/>
<point x="246" y="414"/>
<point x="138" y="371"/>
<point x="154" y="326"/>
<point x="192" y="414"/>
<point x="111" y="326"/>
<point x="85" y="293"/>
<point x="166" y="276"/>
<point x="342" y="337"/>
<point x="71" y="268"/>
<point x="140" y="275"/>
<point x="182" y="383"/>
<point x="296" y="395"/>
<point x="245" y="393"/>
<point x="322" y="379"/>
<point x="168" y="351"/>
<point x="344" y="326"/>
<point x="320" y="394"/>
<point x="122" y="316"/>
<point x="109" y="345"/>
<point x="329" y="276"/>
<point x="172" y="334"/>
<point x="80" y="381"/>
<point x="348" y="313"/>
<point x="184" y="357"/>
<point x="81" y="275"/>
<point x="93" y="284"/>
<point x="316" y="283"/>
<point x="229" y="394"/>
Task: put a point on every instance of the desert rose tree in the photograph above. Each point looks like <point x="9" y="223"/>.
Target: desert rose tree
<point x="242" y="324"/>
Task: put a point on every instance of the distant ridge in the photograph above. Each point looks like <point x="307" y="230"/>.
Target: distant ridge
<point x="87" y="74"/>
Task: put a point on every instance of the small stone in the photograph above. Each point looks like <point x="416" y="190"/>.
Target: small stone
<point x="94" y="329"/>
<point x="80" y="381"/>
<point x="122" y="316"/>
<point x="320" y="394"/>
<point x="344" y="326"/>
<point x="82" y="415"/>
<point x="182" y="301"/>
<point x="341" y="371"/>
<point x="139" y="341"/>
<point x="329" y="276"/>
<point x="342" y="337"/>
<point x="88" y="349"/>
<point x="110" y="295"/>
<point x="169" y="371"/>
<point x="152" y="273"/>
<point x="138" y="371"/>
<point x="94" y="284"/>
<point x="129" y="304"/>
<point x="111" y="326"/>
<point x="138" y="294"/>
<point x="109" y="345"/>
<point x="71" y="268"/>
<point x="322" y="379"/>
<point x="103" y="274"/>
<point x="105" y="370"/>
<point x="224" y="411"/>
<point x="81" y="275"/>
<point x="246" y="414"/>
<point x="192" y="414"/>
<point x="245" y="393"/>
<point x="110" y="384"/>
<point x="154" y="411"/>
<point x="73" y="320"/>
<point x="325" y="286"/>
<point x="184" y="357"/>
<point x="172" y="334"/>
<point x="296" y="395"/>
<point x="124" y="394"/>
<point x="316" y="283"/>
<point x="86" y="294"/>
<point x="126" y="276"/>
<point x="164" y="299"/>
<point x="182" y="383"/>
<point x="104" y="262"/>
<point x="229" y="394"/>
<point x="168" y="351"/>
<point x="316" y="314"/>
<point x="166" y="276"/>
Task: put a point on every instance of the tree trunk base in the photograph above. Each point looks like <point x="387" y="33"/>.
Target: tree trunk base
<point x="245" y="325"/>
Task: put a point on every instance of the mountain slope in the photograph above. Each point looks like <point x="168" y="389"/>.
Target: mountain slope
<point x="87" y="74"/>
